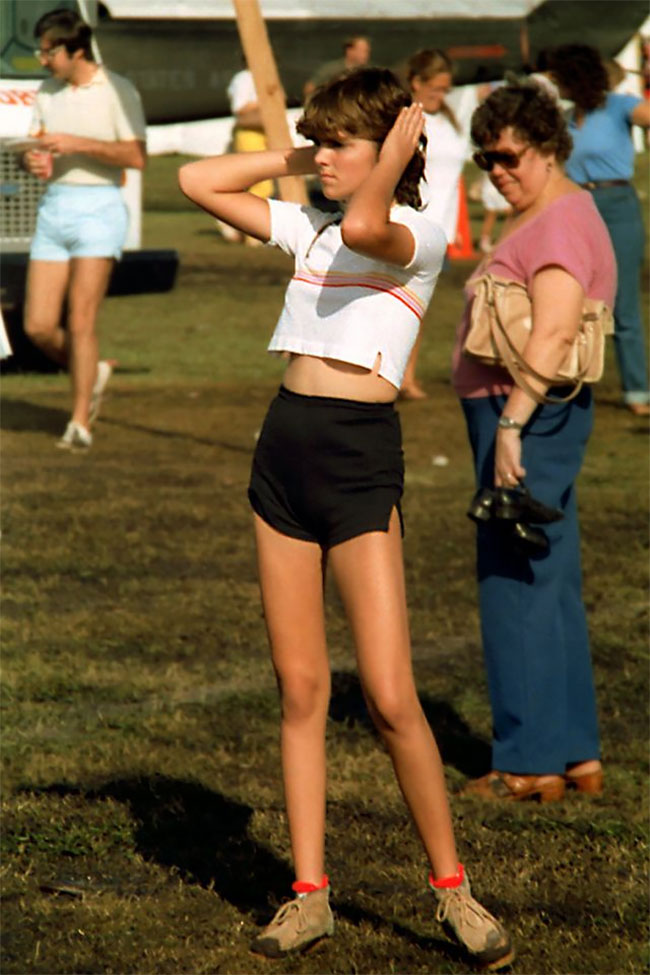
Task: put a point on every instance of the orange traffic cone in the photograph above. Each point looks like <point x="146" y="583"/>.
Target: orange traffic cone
<point x="465" y="250"/>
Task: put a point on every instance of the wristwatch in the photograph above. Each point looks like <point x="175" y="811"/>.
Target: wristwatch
<point x="507" y="423"/>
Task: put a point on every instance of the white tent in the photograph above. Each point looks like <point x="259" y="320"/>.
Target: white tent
<point x="325" y="9"/>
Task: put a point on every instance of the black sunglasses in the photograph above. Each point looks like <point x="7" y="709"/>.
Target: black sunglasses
<point x="487" y="159"/>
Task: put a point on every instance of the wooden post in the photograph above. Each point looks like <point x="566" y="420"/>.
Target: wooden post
<point x="273" y="108"/>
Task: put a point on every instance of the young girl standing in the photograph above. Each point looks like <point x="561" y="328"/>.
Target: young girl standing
<point x="327" y="474"/>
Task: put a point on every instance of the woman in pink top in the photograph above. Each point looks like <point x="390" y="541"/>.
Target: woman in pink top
<point x="545" y="729"/>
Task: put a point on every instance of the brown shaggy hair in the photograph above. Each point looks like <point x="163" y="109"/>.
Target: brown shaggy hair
<point x="533" y="114"/>
<point x="363" y="104"/>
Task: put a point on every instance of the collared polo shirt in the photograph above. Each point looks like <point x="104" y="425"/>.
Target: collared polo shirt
<point x="108" y="108"/>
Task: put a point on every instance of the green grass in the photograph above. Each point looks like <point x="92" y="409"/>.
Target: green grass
<point x="140" y="714"/>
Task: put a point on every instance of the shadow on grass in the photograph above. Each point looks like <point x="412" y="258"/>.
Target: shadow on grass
<point x="20" y="416"/>
<point x="458" y="745"/>
<point x="204" y="837"/>
<point x="176" y="435"/>
<point x="201" y="834"/>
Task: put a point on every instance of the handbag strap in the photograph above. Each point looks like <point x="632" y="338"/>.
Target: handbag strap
<point x="514" y="360"/>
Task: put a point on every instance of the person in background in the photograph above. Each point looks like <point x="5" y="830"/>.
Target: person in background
<point x="602" y="161"/>
<point x="90" y="127"/>
<point x="429" y="75"/>
<point x="327" y="474"/>
<point x="247" y="136"/>
<point x="356" y="54"/>
<point x="533" y="621"/>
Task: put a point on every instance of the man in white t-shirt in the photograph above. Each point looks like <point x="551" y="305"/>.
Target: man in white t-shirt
<point x="90" y="127"/>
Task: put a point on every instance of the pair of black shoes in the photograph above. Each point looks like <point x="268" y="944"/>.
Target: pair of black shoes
<point x="517" y="512"/>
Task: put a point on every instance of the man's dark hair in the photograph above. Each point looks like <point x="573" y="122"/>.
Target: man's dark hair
<point x="352" y="40"/>
<point x="66" y="27"/>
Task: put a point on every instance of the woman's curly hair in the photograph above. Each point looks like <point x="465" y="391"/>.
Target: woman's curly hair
<point x="531" y="112"/>
<point x="364" y="104"/>
<point x="579" y="72"/>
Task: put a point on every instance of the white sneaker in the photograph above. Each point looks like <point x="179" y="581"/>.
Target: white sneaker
<point x="75" y="437"/>
<point x="104" y="373"/>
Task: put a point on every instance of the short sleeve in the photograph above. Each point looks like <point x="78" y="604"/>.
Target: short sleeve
<point x="327" y="71"/>
<point x="127" y="109"/>
<point x="241" y="91"/>
<point x="293" y="223"/>
<point x="563" y="243"/>
<point x="429" y="237"/>
<point x="625" y="104"/>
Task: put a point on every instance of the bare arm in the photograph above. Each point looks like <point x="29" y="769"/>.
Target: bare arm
<point x="220" y="185"/>
<point x="641" y="115"/>
<point x="127" y="154"/>
<point x="366" y="226"/>
<point x="557" y="300"/>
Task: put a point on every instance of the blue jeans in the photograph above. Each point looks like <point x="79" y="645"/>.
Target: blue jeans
<point x="619" y="207"/>
<point x="533" y="621"/>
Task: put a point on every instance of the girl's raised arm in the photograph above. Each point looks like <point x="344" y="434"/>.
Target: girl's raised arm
<point x="366" y="226"/>
<point x="220" y="185"/>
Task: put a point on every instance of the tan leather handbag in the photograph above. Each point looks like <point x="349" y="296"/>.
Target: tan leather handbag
<point x="500" y="326"/>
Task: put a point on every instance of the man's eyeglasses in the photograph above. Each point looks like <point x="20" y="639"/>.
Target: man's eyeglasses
<point x="46" y="54"/>
<point x="487" y="159"/>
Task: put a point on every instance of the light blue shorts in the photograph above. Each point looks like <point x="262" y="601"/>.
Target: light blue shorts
<point x="79" y="221"/>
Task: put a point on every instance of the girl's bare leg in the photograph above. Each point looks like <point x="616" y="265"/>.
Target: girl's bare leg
<point x="291" y="580"/>
<point x="370" y="575"/>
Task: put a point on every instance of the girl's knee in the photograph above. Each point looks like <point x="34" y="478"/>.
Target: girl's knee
<point x="303" y="696"/>
<point x="394" y="712"/>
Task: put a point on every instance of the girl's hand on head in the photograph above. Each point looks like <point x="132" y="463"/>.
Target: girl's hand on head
<point x="404" y="137"/>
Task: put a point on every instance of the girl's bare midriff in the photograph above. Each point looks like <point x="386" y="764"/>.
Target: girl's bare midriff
<point x="313" y="376"/>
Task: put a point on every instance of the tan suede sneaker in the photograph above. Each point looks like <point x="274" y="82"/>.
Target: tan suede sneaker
<point x="297" y="926"/>
<point x="474" y="928"/>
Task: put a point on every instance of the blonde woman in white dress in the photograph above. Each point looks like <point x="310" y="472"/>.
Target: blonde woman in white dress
<point x="429" y="74"/>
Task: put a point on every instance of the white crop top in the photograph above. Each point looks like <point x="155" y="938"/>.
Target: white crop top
<point x="342" y="305"/>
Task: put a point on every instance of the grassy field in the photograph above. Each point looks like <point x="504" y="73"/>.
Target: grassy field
<point x="143" y="824"/>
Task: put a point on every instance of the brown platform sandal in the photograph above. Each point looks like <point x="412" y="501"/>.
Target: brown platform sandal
<point x="515" y="788"/>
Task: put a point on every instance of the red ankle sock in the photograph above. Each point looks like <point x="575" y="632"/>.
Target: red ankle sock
<point x="304" y="887"/>
<point x="448" y="882"/>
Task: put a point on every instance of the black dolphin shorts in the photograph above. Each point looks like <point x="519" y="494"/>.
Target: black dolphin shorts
<point x="325" y="469"/>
